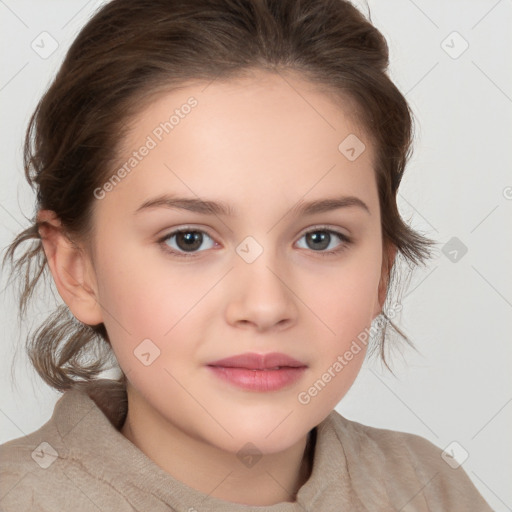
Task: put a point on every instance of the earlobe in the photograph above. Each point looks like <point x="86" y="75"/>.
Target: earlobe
<point x="70" y="268"/>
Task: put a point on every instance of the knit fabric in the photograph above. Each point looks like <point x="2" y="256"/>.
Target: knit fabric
<point x="80" y="461"/>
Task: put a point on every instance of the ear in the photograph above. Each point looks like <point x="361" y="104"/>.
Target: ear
<point x="388" y="258"/>
<point x="71" y="269"/>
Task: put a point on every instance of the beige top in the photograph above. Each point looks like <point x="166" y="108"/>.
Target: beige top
<point x="79" y="461"/>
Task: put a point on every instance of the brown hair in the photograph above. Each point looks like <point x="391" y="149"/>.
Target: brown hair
<point x="132" y="50"/>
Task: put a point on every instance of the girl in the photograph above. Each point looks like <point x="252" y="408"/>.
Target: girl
<point x="216" y="202"/>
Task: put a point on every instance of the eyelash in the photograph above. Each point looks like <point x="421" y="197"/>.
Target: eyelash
<point x="344" y="238"/>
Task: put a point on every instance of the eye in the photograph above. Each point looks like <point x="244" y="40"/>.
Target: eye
<point x="321" y="238"/>
<point x="185" y="240"/>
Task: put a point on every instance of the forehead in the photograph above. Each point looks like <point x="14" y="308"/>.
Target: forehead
<point x="257" y="103"/>
<point x="268" y="135"/>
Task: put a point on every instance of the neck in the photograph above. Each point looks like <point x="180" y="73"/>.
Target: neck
<point x="275" y="478"/>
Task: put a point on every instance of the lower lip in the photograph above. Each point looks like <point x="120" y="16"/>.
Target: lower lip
<point x="259" y="380"/>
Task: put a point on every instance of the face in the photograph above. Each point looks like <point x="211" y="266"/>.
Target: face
<point x="264" y="276"/>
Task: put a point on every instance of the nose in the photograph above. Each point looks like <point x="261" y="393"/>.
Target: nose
<point x="261" y="295"/>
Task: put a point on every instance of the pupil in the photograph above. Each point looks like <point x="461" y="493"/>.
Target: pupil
<point x="321" y="237"/>
<point x="192" y="240"/>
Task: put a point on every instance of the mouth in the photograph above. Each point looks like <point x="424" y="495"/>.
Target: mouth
<point x="259" y="380"/>
<point x="256" y="372"/>
<point x="261" y="369"/>
<point x="252" y="361"/>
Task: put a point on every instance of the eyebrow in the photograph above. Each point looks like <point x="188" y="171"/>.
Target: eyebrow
<point x="206" y="207"/>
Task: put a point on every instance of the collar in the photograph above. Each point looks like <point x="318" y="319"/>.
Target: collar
<point x="88" y="424"/>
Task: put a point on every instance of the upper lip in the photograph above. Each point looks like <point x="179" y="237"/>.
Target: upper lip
<point x="253" y="361"/>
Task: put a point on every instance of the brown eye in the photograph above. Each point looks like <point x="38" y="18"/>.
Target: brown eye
<point x="189" y="240"/>
<point x="183" y="241"/>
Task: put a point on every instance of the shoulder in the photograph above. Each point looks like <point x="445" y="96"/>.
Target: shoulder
<point x="45" y="469"/>
<point x="22" y="462"/>
<point x="33" y="464"/>
<point x="385" y="441"/>
<point x="412" y="468"/>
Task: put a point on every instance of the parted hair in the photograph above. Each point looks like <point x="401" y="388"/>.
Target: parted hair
<point x="132" y="50"/>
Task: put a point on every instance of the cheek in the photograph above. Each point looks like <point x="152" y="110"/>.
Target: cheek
<point x="344" y="295"/>
<point x="345" y="304"/>
<point x="142" y="301"/>
<point x="130" y="301"/>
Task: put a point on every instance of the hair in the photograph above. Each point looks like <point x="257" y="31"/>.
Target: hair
<point x="132" y="50"/>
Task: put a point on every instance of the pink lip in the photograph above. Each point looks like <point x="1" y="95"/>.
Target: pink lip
<point x="259" y="372"/>
<point x="253" y="361"/>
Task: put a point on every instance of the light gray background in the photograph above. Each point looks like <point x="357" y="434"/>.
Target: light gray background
<point x="458" y="184"/>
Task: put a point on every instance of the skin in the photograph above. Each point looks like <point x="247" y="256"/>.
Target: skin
<point x="263" y="146"/>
